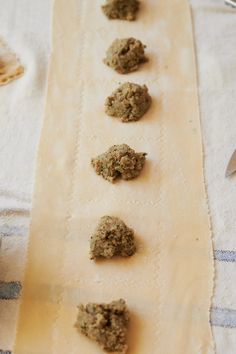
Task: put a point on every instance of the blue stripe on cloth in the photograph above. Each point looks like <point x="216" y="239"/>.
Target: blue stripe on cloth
<point x="10" y="290"/>
<point x="7" y="230"/>
<point x="221" y="317"/>
<point x="225" y="256"/>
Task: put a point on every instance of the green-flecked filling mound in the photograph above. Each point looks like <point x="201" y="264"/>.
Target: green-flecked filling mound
<point x="106" y="324"/>
<point x="121" y="9"/>
<point x="112" y="238"/>
<point x="129" y="102"/>
<point x="125" y="55"/>
<point x="119" y="161"/>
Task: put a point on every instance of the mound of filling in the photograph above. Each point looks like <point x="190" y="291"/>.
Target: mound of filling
<point x="129" y="102"/>
<point x="107" y="324"/>
<point x="121" y="9"/>
<point x="112" y="238"/>
<point x="125" y="55"/>
<point x="119" y="161"/>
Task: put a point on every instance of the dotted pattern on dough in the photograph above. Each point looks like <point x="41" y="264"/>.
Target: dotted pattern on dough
<point x="78" y="129"/>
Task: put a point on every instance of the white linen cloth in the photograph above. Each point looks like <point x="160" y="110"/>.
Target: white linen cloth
<point x="215" y="31"/>
<point x="26" y="26"/>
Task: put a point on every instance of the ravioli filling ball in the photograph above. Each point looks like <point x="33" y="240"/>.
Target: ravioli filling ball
<point x="129" y="102"/>
<point x="106" y="324"/>
<point x="112" y="237"/>
<point x="121" y="9"/>
<point x="125" y="55"/>
<point x="119" y="161"/>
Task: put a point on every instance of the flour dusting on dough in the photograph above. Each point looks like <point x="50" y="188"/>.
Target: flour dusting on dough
<point x="185" y="60"/>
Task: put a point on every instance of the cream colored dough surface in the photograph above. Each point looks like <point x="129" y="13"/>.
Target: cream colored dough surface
<point x="168" y="284"/>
